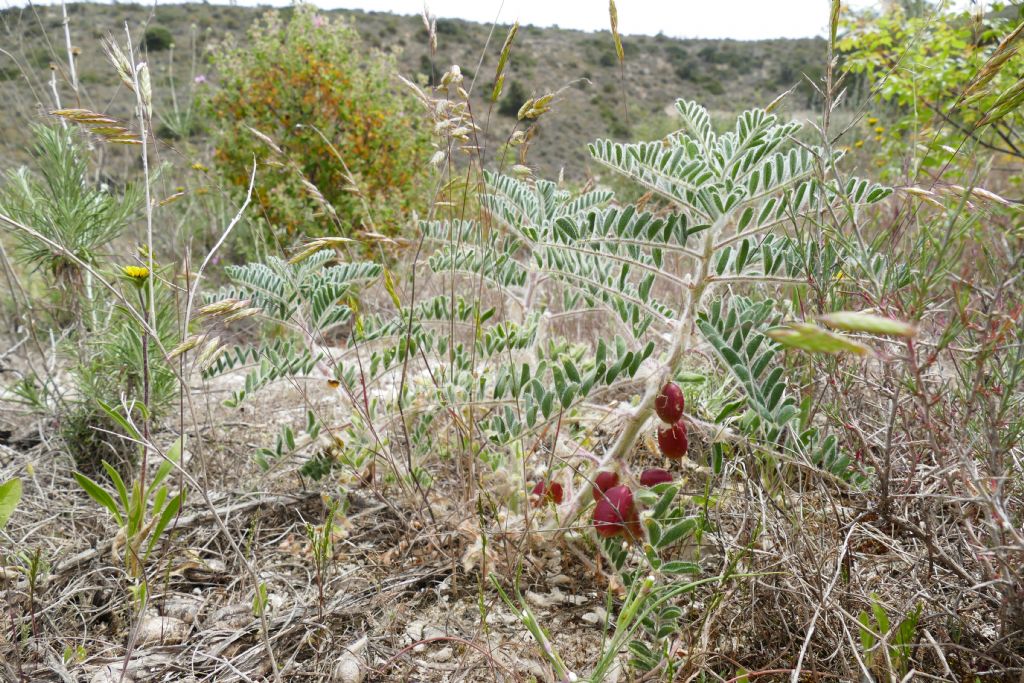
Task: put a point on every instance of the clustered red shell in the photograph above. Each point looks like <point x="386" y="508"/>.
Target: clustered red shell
<point x="615" y="514"/>
<point x="654" y="476"/>
<point x="547" y="492"/>
<point x="673" y="441"/>
<point x="669" y="403"/>
<point x="602" y="482"/>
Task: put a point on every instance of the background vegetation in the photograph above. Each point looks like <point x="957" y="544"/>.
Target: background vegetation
<point x="545" y="60"/>
<point x="381" y="348"/>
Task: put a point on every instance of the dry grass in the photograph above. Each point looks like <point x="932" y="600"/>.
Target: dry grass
<point x="937" y="527"/>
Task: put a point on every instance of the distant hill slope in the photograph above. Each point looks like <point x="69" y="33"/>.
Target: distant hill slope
<point x="725" y="75"/>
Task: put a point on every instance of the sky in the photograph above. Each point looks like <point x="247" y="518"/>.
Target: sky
<point x="739" y="19"/>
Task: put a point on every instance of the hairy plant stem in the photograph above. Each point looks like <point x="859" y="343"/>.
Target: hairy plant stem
<point x="682" y="342"/>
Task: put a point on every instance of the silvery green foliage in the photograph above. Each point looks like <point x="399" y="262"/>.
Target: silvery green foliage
<point x="734" y="192"/>
<point x="486" y="356"/>
<point x="311" y="291"/>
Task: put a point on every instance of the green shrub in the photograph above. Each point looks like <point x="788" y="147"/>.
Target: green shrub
<point x="713" y="86"/>
<point x="337" y="118"/>
<point x="608" y="59"/>
<point x="447" y="27"/>
<point x="956" y="76"/>
<point x="110" y="369"/>
<point x="157" y="39"/>
<point x="79" y="224"/>
<point x="514" y="97"/>
<point x="57" y="199"/>
<point x="40" y="58"/>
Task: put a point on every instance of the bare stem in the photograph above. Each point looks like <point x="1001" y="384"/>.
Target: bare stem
<point x="67" y="44"/>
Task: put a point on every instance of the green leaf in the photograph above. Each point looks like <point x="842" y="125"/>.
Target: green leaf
<point x="568" y="395"/>
<point x="165" y="518"/>
<point x="115" y="477"/>
<point x="547" y="404"/>
<point x="389" y="285"/>
<point x="137" y="512"/>
<point x="661" y="507"/>
<point x="99" y="494"/>
<point x="10" y="494"/>
<point x="881" y="618"/>
<point x="653" y="531"/>
<point x="717" y="458"/>
<point x="259" y="600"/>
<point x="119" y="419"/>
<point x="867" y="639"/>
<point x="159" y="499"/>
<point x="571" y="371"/>
<point x="810" y="337"/>
<point x="642" y="656"/>
<point x="855" y="321"/>
<point x="728" y="409"/>
<point x="677" y="532"/>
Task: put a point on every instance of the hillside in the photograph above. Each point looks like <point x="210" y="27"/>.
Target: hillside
<point x="302" y="381"/>
<point x="596" y="102"/>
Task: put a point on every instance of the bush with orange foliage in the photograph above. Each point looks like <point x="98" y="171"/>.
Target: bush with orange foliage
<point x="327" y="121"/>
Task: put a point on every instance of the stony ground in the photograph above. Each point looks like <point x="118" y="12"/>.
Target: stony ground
<point x="396" y="594"/>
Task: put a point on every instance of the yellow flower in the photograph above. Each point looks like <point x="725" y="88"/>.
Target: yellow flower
<point x="199" y="167"/>
<point x="879" y="130"/>
<point x="878" y="138"/>
<point x="136" y="272"/>
<point x="858" y="144"/>
<point x="872" y="121"/>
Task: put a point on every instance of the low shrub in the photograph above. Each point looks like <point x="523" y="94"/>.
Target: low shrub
<point x="157" y="39"/>
<point x="339" y="144"/>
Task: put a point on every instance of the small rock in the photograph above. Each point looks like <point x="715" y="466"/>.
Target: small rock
<point x="275" y="602"/>
<point x="538" y="600"/>
<point x="232" y="617"/>
<point x="155" y="630"/>
<point x="495" y="617"/>
<point x="111" y="673"/>
<point x="184" y="606"/>
<point x="555" y="597"/>
<point x="347" y="669"/>
<point x="350" y="665"/>
<point x="414" y="629"/>
<point x="559" y="580"/>
<point x="433" y="632"/>
<point x="443" y="655"/>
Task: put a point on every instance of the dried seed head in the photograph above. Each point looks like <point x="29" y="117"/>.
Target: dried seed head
<point x="186" y="346"/>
